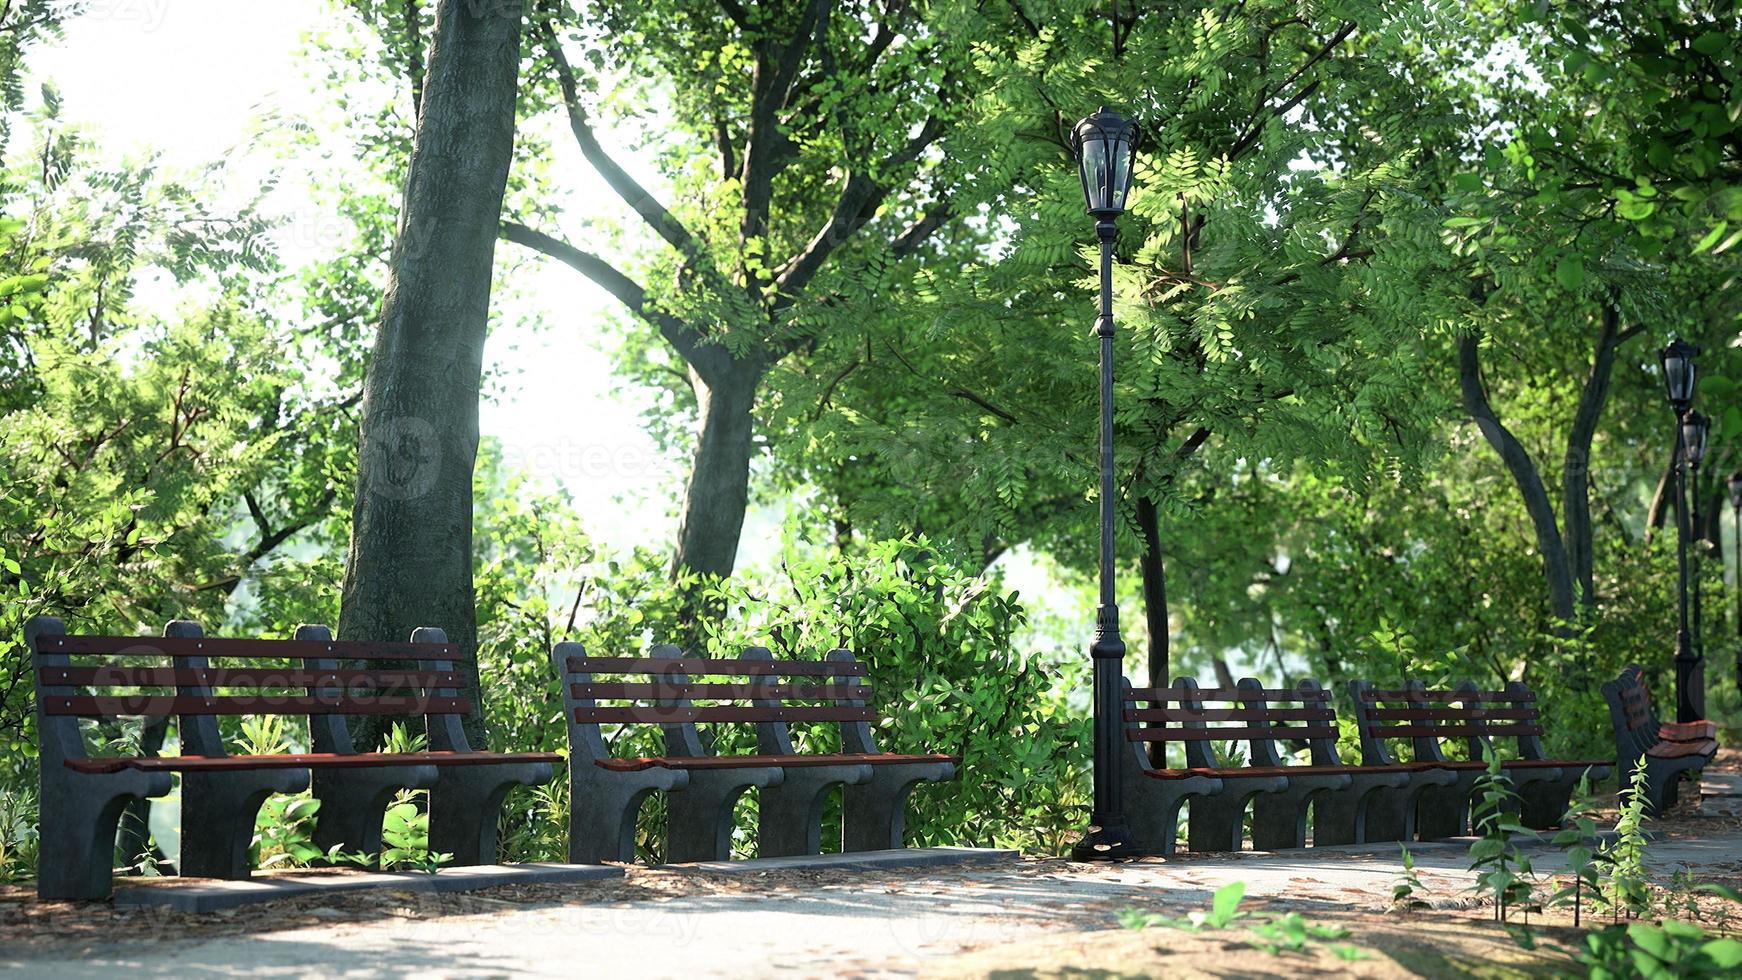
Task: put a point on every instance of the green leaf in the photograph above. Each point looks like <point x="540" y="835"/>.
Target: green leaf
<point x="1570" y="272"/>
<point x="1227" y="902"/>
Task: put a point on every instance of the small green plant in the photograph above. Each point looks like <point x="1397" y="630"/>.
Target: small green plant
<point x="405" y="834"/>
<point x="1289" y="933"/>
<point x="1578" y="830"/>
<point x="1672" y="950"/>
<point x="1223" y="912"/>
<point x="1624" y="858"/>
<point x="18" y="837"/>
<point x="284" y="833"/>
<point x="1407" y="885"/>
<point x="1286" y="933"/>
<point x="1503" y="872"/>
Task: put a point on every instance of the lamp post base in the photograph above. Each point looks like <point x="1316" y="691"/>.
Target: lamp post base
<point x="1106" y="842"/>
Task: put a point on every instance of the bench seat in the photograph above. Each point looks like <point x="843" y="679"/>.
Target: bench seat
<point x="1687" y="731"/>
<point x="305" y="760"/>
<point x="702" y="778"/>
<point x="1249" y="771"/>
<point x="1677" y="750"/>
<point x="1669" y="749"/>
<point x="753" y="761"/>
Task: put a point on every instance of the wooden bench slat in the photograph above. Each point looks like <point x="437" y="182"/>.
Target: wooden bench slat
<point x="1452" y="714"/>
<point x="1458" y="731"/>
<point x="1229" y="714"/>
<point x="1174" y="695"/>
<point x="694" y="665"/>
<point x="720" y="691"/>
<point x="159" y="706"/>
<point x="753" y="761"/>
<point x="255" y="649"/>
<point x="307" y="760"/>
<point x="1281" y="732"/>
<point x="672" y="715"/>
<point x="1375" y="695"/>
<point x="242" y="677"/>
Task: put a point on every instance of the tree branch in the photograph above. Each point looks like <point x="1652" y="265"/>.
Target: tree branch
<point x="637" y="197"/>
<point x="688" y="344"/>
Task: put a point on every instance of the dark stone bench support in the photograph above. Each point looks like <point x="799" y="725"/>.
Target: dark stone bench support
<point x="218" y="809"/>
<point x="78" y="811"/>
<point x="1638" y="735"/>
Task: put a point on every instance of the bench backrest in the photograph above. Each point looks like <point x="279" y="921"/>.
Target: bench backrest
<point x="1425" y="716"/>
<point x="1255" y="714"/>
<point x="1630" y="709"/>
<point x="154" y="677"/>
<point x="663" y="688"/>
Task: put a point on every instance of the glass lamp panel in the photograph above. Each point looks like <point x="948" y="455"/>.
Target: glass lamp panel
<point x="1121" y="173"/>
<point x="1094" y="172"/>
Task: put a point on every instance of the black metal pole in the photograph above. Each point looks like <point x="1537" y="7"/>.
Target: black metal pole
<point x="1684" y="646"/>
<point x="1696" y="561"/>
<point x="1109" y="837"/>
<point x="1736" y="541"/>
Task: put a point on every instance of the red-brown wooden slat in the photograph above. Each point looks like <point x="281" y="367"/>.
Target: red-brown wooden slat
<point x="1229" y="714"/>
<point x="724" y="691"/>
<point x="1457" y="731"/>
<point x="309" y="760"/>
<point x="748" y="668"/>
<point x="158" y="706"/>
<point x="1171" y="734"/>
<point x="752" y="761"/>
<point x="1373" y="695"/>
<point x="676" y="715"/>
<point x="219" y="646"/>
<point x="242" y="677"/>
<point x="1452" y="714"/>
<point x="1173" y="695"/>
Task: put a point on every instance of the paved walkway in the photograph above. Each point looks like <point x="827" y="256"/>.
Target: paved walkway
<point x="893" y="923"/>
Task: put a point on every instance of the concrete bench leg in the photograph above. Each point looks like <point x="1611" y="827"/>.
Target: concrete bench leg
<point x="354" y="802"/>
<point x="1217" y="823"/>
<point x="790" y="812"/>
<point x="1444" y="811"/>
<point x="1279" y="820"/>
<point x="465" y="803"/>
<point x="699" y="819"/>
<point x="79" y="814"/>
<point x="1386" y="812"/>
<point x="1546" y="803"/>
<point x="874" y="814"/>
<point x="218" y="810"/>
<point x="603" y="806"/>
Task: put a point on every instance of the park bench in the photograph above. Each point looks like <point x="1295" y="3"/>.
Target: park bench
<point x="1349" y="804"/>
<point x="1475" y="716"/>
<point x="1669" y="749"/>
<point x="701" y="786"/>
<point x="199" y="679"/>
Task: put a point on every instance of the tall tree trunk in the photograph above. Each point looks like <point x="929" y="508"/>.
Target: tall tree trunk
<point x="1556" y="569"/>
<point x="1154" y="591"/>
<point x="1576" y="469"/>
<point x="719" y="488"/>
<point x="1662" y="499"/>
<point x="410" y="560"/>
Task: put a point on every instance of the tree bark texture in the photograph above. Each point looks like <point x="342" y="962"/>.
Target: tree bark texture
<point x="1556" y="567"/>
<point x="719" y="487"/>
<point x="410" y="559"/>
<point x="1576" y="469"/>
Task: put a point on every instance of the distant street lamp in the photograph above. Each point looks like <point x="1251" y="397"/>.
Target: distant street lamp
<point x="1679" y="377"/>
<point x="1691" y="677"/>
<point x="1105" y="145"/>
<point x="1735" y="487"/>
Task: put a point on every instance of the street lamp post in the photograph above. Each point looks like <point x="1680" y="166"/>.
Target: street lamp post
<point x="1694" y="430"/>
<point x="1105" y="145"/>
<point x="1734" y="485"/>
<point x="1679" y="377"/>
